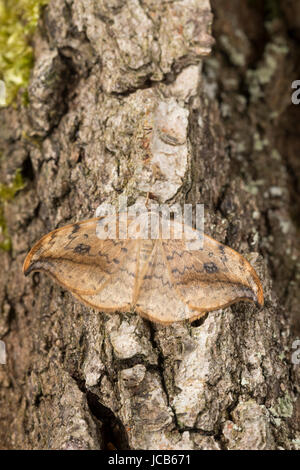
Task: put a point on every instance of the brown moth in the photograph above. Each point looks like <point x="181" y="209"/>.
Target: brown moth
<point x="159" y="278"/>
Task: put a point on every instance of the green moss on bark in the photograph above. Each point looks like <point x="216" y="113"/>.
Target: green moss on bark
<point x="18" y="21"/>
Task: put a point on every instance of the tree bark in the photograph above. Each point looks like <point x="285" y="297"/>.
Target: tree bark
<point x="109" y="77"/>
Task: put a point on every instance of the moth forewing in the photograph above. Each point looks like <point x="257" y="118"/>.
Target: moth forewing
<point x="161" y="278"/>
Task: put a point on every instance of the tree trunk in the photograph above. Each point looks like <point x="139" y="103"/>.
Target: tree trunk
<point x="108" y="74"/>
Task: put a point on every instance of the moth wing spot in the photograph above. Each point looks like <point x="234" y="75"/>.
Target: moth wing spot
<point x="82" y="248"/>
<point x="210" y="268"/>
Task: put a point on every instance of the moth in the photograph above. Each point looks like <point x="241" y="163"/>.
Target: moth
<point x="159" y="278"/>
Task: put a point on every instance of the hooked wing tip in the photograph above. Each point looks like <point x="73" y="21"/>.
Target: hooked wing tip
<point x="30" y="265"/>
<point x="259" y="298"/>
<point x="259" y="302"/>
<point x="28" y="271"/>
<point x="253" y="294"/>
<point x="34" y="266"/>
<point x="26" y="266"/>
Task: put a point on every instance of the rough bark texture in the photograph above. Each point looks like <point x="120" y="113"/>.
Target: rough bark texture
<point x="114" y="83"/>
